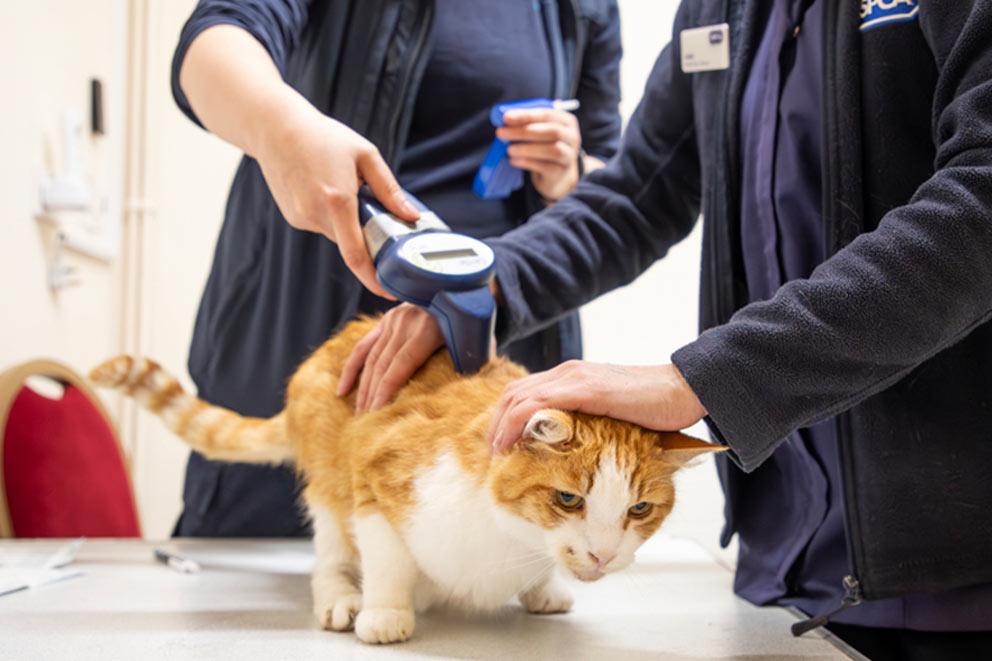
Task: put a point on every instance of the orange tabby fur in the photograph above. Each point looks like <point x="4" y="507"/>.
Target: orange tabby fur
<point x="355" y="466"/>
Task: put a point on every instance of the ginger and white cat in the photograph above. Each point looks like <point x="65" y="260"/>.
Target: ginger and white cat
<point x="410" y="508"/>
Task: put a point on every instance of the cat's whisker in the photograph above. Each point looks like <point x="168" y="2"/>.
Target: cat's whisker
<point x="538" y="577"/>
<point x="524" y="556"/>
<point x="543" y="566"/>
<point x="506" y="570"/>
<point x="528" y="553"/>
<point x="523" y="561"/>
<point x="516" y="558"/>
<point x="642" y="593"/>
<point x="523" y="564"/>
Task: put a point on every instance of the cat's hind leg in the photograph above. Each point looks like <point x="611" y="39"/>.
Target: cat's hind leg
<point x="389" y="575"/>
<point x="548" y="596"/>
<point x="336" y="595"/>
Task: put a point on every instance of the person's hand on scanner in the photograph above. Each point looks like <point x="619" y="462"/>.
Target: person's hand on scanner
<point x="548" y="144"/>
<point x="314" y="167"/>
<point x="312" y="164"/>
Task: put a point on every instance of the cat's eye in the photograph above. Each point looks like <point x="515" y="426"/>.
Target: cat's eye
<point x="640" y="510"/>
<point x="568" y="501"/>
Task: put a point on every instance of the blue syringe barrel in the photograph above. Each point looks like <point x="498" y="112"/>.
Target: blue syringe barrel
<point x="496" y="178"/>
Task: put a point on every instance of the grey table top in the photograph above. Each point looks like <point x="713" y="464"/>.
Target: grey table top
<point x="252" y="601"/>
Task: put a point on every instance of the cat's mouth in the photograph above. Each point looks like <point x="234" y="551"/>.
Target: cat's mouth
<point x="579" y="570"/>
<point x="588" y="575"/>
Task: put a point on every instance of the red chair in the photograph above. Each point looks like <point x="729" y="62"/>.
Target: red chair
<point x="62" y="470"/>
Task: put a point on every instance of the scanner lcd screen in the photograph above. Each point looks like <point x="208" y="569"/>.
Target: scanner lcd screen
<point x="437" y="255"/>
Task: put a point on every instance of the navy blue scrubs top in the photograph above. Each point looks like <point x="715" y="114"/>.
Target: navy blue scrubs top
<point x="471" y="68"/>
<point x="485" y="53"/>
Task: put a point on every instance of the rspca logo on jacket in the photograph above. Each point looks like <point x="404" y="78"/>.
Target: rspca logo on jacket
<point x="876" y="13"/>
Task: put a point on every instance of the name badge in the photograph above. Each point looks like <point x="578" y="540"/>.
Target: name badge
<point x="706" y="48"/>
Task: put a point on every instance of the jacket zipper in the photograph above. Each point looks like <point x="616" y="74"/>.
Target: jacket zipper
<point x="580" y="43"/>
<point x="717" y="203"/>
<point x="852" y="597"/>
<point x="727" y="292"/>
<point x="853" y="589"/>
<point x="552" y="22"/>
<point x="832" y="106"/>
<point x="394" y="121"/>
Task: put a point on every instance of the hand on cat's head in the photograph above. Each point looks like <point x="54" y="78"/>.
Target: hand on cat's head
<point x="655" y="396"/>
<point x="596" y="487"/>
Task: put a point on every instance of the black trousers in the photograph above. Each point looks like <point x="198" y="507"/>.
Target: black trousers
<point x="904" y="645"/>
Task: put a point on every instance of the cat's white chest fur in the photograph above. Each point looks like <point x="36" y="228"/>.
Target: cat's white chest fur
<point x="473" y="554"/>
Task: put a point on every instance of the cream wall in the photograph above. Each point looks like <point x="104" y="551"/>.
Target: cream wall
<point x="175" y="189"/>
<point x="160" y="184"/>
<point x="186" y="175"/>
<point x="46" y="71"/>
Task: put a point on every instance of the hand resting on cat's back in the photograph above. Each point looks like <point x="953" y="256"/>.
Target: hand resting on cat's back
<point x="410" y="507"/>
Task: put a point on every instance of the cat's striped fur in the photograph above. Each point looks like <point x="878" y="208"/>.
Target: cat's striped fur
<point x="216" y="432"/>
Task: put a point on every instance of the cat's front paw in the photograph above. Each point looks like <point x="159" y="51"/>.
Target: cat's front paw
<point x="553" y="597"/>
<point x="384" y="625"/>
<point x="338" y="613"/>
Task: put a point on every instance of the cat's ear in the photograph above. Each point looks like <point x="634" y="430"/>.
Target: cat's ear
<point x="680" y="449"/>
<point x="549" y="426"/>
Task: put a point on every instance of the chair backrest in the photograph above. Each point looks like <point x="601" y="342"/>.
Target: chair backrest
<point x="62" y="470"/>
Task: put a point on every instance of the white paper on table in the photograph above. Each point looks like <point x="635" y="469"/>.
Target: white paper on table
<point x="15" y="579"/>
<point x="29" y="573"/>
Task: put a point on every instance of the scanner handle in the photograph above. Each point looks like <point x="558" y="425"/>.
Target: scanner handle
<point x="467" y="320"/>
<point x="369" y="205"/>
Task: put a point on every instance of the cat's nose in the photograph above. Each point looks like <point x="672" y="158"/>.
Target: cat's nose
<point x="602" y="558"/>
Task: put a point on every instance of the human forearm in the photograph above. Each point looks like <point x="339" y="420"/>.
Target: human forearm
<point x="236" y="90"/>
<point x="864" y="320"/>
<point x="313" y="164"/>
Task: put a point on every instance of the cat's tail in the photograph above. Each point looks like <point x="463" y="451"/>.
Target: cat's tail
<point x="216" y="432"/>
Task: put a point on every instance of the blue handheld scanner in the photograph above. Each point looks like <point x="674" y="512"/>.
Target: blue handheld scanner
<point x="496" y="178"/>
<point x="442" y="271"/>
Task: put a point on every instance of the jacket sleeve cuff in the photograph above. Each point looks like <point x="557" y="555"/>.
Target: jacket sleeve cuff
<point x="511" y="315"/>
<point x="735" y="418"/>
